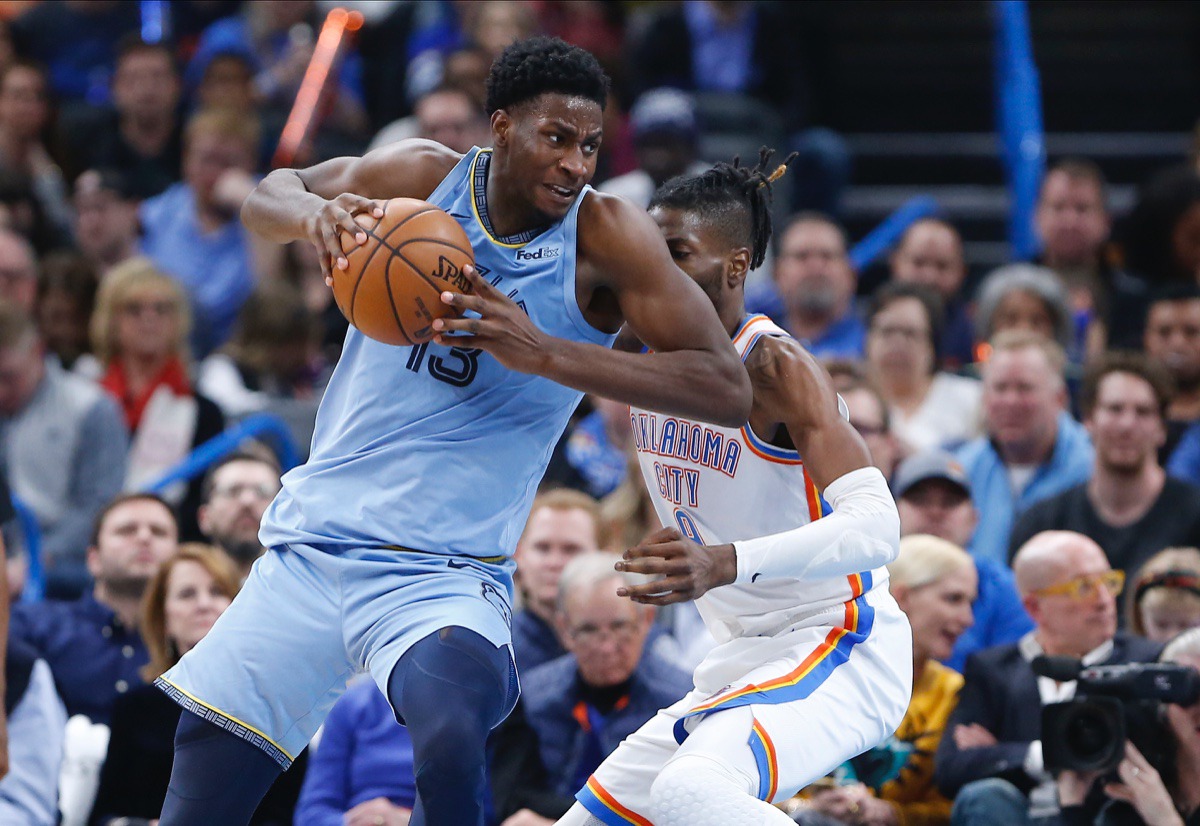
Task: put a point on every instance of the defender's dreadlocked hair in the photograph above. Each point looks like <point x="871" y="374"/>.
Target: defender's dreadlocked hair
<point x="733" y="197"/>
<point x="537" y="65"/>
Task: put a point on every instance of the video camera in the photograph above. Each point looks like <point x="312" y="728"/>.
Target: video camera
<point x="1112" y="702"/>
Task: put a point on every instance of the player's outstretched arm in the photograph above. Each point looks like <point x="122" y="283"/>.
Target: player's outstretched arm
<point x="320" y="202"/>
<point x="862" y="532"/>
<point x="693" y="369"/>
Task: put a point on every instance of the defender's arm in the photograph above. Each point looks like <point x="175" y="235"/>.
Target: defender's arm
<point x="693" y="370"/>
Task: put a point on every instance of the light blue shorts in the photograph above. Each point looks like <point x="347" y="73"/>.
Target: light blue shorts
<point x="307" y="620"/>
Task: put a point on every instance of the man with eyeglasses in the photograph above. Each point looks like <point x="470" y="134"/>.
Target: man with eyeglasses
<point x="583" y="704"/>
<point x="236" y="493"/>
<point x="990" y="759"/>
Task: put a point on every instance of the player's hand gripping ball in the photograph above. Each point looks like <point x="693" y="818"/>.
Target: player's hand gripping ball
<point x="392" y="285"/>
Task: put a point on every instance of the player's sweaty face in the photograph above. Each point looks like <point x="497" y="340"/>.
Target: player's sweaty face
<point x="695" y="249"/>
<point x="555" y="140"/>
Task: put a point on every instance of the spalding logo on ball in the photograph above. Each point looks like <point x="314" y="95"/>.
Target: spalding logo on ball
<point x="392" y="285"/>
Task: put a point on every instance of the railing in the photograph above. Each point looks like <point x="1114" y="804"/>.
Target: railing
<point x="878" y="241"/>
<point x="205" y="455"/>
<point x="1019" y="121"/>
<point x="35" y="576"/>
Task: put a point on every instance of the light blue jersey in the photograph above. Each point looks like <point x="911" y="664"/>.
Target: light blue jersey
<point x="436" y="448"/>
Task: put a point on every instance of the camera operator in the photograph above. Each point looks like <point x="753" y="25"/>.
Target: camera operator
<point x="990" y="759"/>
<point x="1170" y="797"/>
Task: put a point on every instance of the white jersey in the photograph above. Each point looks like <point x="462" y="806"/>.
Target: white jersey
<point x="720" y="485"/>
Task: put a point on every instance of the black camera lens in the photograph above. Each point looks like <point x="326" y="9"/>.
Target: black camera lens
<point x="1089" y="735"/>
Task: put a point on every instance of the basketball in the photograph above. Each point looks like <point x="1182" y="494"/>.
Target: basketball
<point x="392" y="285"/>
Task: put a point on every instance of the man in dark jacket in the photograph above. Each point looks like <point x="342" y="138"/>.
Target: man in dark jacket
<point x="583" y="704"/>
<point x="990" y="759"/>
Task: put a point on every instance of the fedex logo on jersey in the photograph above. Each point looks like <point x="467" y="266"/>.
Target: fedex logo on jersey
<point x="689" y="441"/>
<point x="542" y="254"/>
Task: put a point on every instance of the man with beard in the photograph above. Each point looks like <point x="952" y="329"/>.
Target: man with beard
<point x="813" y="295"/>
<point x="1172" y="338"/>
<point x="1129" y="506"/>
<point x="92" y="644"/>
<point x="236" y="492"/>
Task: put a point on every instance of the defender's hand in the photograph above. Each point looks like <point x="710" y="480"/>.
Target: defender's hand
<point x="687" y="570"/>
<point x="325" y="226"/>
<point x="503" y="329"/>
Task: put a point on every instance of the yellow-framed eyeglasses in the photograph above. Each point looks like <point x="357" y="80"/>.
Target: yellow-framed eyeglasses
<point x="1086" y="587"/>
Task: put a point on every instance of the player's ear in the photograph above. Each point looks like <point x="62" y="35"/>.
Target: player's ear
<point x="737" y="268"/>
<point x="501" y="124"/>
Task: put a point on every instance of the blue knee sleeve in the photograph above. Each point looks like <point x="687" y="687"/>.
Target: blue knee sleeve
<point x="452" y="688"/>
<point x="217" y="777"/>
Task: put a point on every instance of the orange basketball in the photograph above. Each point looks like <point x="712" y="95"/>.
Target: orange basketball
<point x="391" y="289"/>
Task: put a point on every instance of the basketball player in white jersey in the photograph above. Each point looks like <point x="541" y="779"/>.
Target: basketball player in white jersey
<point x="813" y="662"/>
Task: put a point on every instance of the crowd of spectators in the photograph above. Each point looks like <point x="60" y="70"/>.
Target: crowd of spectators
<point x="1040" y="423"/>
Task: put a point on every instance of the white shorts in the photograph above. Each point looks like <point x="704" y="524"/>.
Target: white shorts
<point x="800" y="703"/>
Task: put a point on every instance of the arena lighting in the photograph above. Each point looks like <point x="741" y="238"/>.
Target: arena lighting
<point x="337" y="23"/>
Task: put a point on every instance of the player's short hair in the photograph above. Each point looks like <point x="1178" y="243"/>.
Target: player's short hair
<point x="125" y="499"/>
<point x="925" y="559"/>
<point x="538" y="65"/>
<point x="262" y="457"/>
<point x="733" y="198"/>
<point x="1151" y="371"/>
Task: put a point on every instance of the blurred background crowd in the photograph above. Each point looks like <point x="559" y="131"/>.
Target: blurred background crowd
<point x="990" y="236"/>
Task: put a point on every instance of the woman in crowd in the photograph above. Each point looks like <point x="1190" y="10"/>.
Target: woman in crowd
<point x="1163" y="795"/>
<point x="139" y="335"/>
<point x="1165" y="598"/>
<point x="183" y="600"/>
<point x="362" y="769"/>
<point x="1025" y="297"/>
<point x="934" y="581"/>
<point x="928" y="407"/>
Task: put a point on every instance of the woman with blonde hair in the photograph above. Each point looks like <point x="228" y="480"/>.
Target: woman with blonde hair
<point x="186" y="596"/>
<point x="934" y="582"/>
<point x="139" y="335"/>
<point x="1165" y="598"/>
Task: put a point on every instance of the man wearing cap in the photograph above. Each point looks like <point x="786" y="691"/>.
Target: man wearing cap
<point x="665" y="135"/>
<point x="933" y="496"/>
<point x="106" y="217"/>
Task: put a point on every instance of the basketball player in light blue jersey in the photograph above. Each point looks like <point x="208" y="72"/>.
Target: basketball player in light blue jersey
<point x="390" y="549"/>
